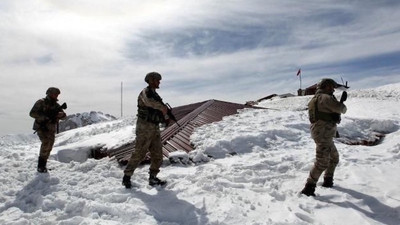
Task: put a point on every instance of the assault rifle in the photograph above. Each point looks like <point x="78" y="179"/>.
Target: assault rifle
<point x="343" y="86"/>
<point x="170" y="114"/>
<point x="343" y="98"/>
<point x="63" y="106"/>
<point x="52" y="115"/>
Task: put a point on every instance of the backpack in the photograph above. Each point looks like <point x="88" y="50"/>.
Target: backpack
<point x="312" y="109"/>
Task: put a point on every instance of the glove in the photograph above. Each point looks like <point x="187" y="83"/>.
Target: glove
<point x="344" y="110"/>
<point x="344" y="97"/>
<point x="167" y="122"/>
<point x="61" y="115"/>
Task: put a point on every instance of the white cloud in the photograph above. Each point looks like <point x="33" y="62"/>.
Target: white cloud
<point x="228" y="50"/>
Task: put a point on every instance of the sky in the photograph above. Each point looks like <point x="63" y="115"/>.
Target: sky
<point x="247" y="169"/>
<point x="233" y="50"/>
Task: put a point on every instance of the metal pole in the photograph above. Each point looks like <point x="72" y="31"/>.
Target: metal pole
<point x="300" y="80"/>
<point x="121" y="99"/>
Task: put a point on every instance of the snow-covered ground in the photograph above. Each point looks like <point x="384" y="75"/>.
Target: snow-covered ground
<point x="260" y="161"/>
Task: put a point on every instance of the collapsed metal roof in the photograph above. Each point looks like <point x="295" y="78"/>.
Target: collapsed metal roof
<point x="177" y="137"/>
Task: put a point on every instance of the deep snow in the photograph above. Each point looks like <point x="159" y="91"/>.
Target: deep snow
<point x="260" y="161"/>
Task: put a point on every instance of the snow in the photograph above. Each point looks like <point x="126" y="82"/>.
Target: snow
<point x="83" y="119"/>
<point x="246" y="169"/>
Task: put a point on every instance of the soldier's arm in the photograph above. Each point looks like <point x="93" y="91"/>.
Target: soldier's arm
<point x="37" y="111"/>
<point x="332" y="104"/>
<point x="61" y="115"/>
<point x="149" y="102"/>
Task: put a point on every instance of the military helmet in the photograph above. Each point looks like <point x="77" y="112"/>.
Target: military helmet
<point x="152" y="76"/>
<point x="325" y="82"/>
<point x="53" y="90"/>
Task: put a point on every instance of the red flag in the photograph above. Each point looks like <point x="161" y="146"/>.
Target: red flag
<point x="299" y="72"/>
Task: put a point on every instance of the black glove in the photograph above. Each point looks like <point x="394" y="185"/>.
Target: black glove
<point x="344" y="97"/>
<point x="167" y="122"/>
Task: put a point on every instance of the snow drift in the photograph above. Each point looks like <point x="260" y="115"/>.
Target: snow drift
<point x="83" y="119"/>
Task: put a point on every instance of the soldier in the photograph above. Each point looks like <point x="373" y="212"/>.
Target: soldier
<point x="324" y="113"/>
<point x="46" y="112"/>
<point x="151" y="112"/>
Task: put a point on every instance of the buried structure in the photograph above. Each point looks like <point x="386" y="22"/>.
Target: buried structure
<point x="176" y="137"/>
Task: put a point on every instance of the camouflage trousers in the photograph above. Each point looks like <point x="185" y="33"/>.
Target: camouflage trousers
<point x="47" y="138"/>
<point x="327" y="158"/>
<point x="148" y="139"/>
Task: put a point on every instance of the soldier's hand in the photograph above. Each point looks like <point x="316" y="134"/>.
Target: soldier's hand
<point x="344" y="97"/>
<point x="344" y="110"/>
<point x="61" y="115"/>
<point x="167" y="122"/>
<point x="165" y="110"/>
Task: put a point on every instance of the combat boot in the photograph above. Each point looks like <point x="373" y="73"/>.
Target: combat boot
<point x="126" y="181"/>
<point x="153" y="181"/>
<point x="42" y="165"/>
<point x="309" y="189"/>
<point x="328" y="182"/>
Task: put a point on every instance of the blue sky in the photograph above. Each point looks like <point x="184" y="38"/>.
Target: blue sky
<point x="228" y="50"/>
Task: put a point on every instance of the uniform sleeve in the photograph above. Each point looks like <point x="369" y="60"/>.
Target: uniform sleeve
<point x="64" y="114"/>
<point x="37" y="111"/>
<point x="150" y="102"/>
<point x="330" y="104"/>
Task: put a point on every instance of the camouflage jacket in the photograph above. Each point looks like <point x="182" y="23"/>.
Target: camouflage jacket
<point x="324" y="113"/>
<point x="150" y="106"/>
<point x="45" y="111"/>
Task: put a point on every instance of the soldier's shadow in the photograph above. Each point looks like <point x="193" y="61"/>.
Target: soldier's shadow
<point x="378" y="211"/>
<point x="165" y="206"/>
<point x="30" y="197"/>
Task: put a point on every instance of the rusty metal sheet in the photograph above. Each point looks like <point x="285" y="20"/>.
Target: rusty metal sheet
<point x="189" y="118"/>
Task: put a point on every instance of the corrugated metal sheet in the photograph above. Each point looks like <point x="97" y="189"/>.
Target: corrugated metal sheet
<point x="189" y="117"/>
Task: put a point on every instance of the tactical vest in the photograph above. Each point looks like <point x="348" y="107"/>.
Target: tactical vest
<point x="314" y="114"/>
<point x="48" y="108"/>
<point x="149" y="114"/>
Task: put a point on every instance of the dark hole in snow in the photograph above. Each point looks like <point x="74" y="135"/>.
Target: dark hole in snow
<point x="374" y="139"/>
<point x="368" y="132"/>
<point x="98" y="153"/>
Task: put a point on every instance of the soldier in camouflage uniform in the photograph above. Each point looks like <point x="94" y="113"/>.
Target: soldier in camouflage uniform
<point x="46" y="112"/>
<point x="324" y="114"/>
<point x="151" y="112"/>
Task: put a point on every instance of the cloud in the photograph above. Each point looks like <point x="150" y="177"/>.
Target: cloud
<point x="227" y="50"/>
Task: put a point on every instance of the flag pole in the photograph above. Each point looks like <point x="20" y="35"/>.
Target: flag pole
<point x="300" y="80"/>
<point x="299" y="75"/>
